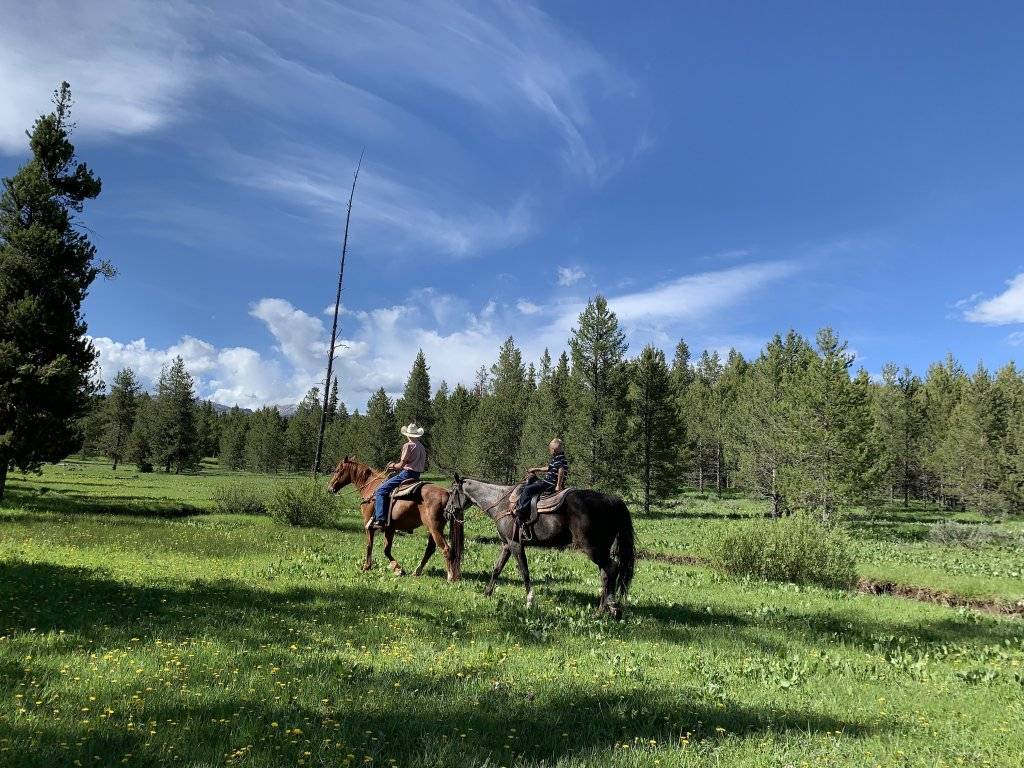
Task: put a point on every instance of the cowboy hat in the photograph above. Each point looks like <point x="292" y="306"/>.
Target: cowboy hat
<point x="413" y="431"/>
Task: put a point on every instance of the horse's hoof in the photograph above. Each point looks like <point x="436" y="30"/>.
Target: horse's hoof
<point x="417" y="572"/>
<point x="529" y="599"/>
<point x="397" y="569"/>
<point x="615" y="612"/>
<point x="365" y="567"/>
<point x="488" y="593"/>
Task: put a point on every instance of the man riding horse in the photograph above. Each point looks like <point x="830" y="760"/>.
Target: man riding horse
<point x="409" y="465"/>
<point x="553" y="481"/>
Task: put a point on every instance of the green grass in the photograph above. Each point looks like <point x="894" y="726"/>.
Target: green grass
<point x="136" y="630"/>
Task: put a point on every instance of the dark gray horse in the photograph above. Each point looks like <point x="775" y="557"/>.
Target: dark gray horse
<point x="596" y="523"/>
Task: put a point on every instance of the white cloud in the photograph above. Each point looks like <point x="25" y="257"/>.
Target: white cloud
<point x="570" y="275"/>
<point x="132" y="65"/>
<point x="378" y="345"/>
<point x="1015" y="339"/>
<point x="695" y="296"/>
<point x="1006" y="308"/>
<point x="527" y="307"/>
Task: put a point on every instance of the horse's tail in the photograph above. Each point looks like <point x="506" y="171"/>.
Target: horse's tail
<point x="456" y="544"/>
<point x="624" y="549"/>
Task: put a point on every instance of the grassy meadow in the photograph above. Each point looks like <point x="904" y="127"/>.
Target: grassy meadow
<point x="139" y="628"/>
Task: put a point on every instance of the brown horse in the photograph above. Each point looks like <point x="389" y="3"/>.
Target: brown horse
<point x="406" y="515"/>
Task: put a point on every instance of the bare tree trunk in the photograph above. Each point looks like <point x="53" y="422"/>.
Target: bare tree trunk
<point x="3" y="476"/>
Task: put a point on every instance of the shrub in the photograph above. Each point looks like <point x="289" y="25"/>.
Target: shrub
<point x="960" y="535"/>
<point x="306" y="504"/>
<point x="238" y="499"/>
<point x="799" y="549"/>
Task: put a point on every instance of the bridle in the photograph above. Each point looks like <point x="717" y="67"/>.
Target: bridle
<point x="464" y="500"/>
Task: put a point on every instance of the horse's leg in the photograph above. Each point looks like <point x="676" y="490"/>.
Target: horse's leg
<point x="606" y="566"/>
<point x="427" y="553"/>
<point x="437" y="534"/>
<point x="368" y="563"/>
<point x="499" y="566"/>
<point x="389" y="537"/>
<point x="524" y="571"/>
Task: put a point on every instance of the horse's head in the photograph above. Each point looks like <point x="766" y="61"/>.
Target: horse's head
<point x="457" y="498"/>
<point x="344" y="474"/>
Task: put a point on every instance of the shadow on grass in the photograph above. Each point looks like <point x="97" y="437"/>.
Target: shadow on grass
<point x="415" y="720"/>
<point x="62" y="502"/>
<point x="343" y="703"/>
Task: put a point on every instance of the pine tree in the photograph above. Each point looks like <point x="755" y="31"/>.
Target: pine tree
<point x="338" y="437"/>
<point x="832" y="416"/>
<point x="971" y="455"/>
<point x="438" y="410"/>
<point x="332" y="402"/>
<point x="653" y="426"/>
<point x="234" y="428"/>
<point x="597" y="430"/>
<point x="92" y="427"/>
<point x="451" y="449"/>
<point x="538" y="428"/>
<point x="943" y="390"/>
<point x="207" y="429"/>
<point x="899" y="425"/>
<point x="414" y="404"/>
<point x="46" y="267"/>
<point x="763" y="430"/>
<point x="704" y="418"/>
<point x="121" y="406"/>
<point x="264" y="441"/>
<point x="301" y="432"/>
<point x="380" y="437"/>
<point x="174" y="439"/>
<point x="139" y="449"/>
<point x="498" y="426"/>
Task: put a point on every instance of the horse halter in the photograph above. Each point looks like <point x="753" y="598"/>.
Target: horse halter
<point x="457" y="500"/>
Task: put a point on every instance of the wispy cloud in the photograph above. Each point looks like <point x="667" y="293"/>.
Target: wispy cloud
<point x="1003" y="309"/>
<point x="698" y="296"/>
<point x="403" y="214"/>
<point x="132" y="65"/>
<point x="570" y="275"/>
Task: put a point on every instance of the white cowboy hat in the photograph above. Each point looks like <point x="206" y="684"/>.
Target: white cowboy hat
<point x="413" y="431"/>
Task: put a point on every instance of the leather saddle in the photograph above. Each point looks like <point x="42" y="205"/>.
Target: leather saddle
<point x="410" y="489"/>
<point x="407" y="491"/>
<point x="544" y="504"/>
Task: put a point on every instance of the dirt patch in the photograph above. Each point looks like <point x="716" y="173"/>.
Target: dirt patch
<point x="939" y="597"/>
<point x="871" y="587"/>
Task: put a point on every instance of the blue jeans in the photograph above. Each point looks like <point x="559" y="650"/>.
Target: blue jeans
<point x="534" y="487"/>
<point x="380" y="496"/>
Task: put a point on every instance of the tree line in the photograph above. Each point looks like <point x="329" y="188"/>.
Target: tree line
<point x="795" y="425"/>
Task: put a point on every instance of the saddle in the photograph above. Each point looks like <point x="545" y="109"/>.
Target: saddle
<point x="544" y="504"/>
<point x="407" y="491"/>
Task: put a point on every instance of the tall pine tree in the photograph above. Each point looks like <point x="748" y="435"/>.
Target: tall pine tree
<point x="121" y="406"/>
<point x="46" y="267"/>
<point x="597" y="432"/>
<point x="653" y="426"/>
<point x="498" y="427"/>
<point x="380" y="437"/>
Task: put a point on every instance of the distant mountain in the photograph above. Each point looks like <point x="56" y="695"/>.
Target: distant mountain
<point x="221" y="408"/>
<point x="284" y="410"/>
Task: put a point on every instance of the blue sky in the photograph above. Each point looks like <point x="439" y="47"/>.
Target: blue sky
<point x="721" y="171"/>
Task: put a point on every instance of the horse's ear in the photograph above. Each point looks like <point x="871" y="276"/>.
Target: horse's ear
<point x="458" y="478"/>
<point x="347" y="459"/>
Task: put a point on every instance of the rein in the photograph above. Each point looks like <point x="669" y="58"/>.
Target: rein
<point x="374" y="476"/>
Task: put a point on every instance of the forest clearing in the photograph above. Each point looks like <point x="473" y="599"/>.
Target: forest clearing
<point x="140" y="627"/>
